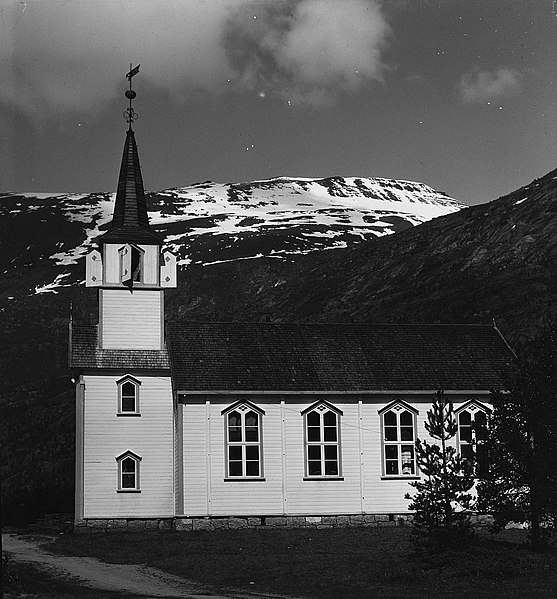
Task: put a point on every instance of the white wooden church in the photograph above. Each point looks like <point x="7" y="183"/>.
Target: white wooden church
<point x="284" y="423"/>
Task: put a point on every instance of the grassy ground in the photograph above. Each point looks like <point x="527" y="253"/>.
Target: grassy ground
<point x="333" y="563"/>
<point x="26" y="580"/>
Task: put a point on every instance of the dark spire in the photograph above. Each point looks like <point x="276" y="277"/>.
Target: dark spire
<point x="130" y="222"/>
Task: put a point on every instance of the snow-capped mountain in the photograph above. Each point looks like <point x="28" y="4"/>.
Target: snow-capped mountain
<point x="207" y="223"/>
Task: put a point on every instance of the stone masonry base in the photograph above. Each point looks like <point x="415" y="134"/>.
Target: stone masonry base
<point x="90" y="525"/>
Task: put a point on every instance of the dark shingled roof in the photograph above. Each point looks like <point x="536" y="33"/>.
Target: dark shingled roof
<point x="130" y="222"/>
<point x="84" y="353"/>
<point x="336" y="357"/>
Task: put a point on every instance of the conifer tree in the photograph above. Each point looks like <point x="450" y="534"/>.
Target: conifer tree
<point x="521" y="484"/>
<point x="442" y="501"/>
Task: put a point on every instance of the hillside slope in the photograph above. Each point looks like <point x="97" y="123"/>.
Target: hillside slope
<point x="496" y="260"/>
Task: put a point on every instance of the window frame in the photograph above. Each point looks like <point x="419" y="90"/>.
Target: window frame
<point x="398" y="407"/>
<point x="128" y="378"/>
<point x="243" y="407"/>
<point x="473" y="407"/>
<point x="129" y="455"/>
<point x="132" y="278"/>
<point x="322" y="407"/>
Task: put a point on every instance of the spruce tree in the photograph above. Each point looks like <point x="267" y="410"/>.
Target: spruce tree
<point x="521" y="484"/>
<point x="442" y="501"/>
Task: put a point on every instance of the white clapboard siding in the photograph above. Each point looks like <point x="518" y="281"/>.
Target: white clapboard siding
<point x="178" y="461"/>
<point x="382" y="494"/>
<point x="131" y="320"/>
<point x="194" y="455"/>
<point x="286" y="490"/>
<point x="314" y="497"/>
<point x="107" y="436"/>
<point x="247" y="497"/>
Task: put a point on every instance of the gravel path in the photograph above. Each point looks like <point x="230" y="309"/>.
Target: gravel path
<point x="137" y="580"/>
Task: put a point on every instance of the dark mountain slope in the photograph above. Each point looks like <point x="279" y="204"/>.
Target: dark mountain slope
<point x="496" y="260"/>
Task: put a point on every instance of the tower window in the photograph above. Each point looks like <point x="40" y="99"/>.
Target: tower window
<point x="128" y="396"/>
<point x="131" y="264"/>
<point x="128" y="472"/>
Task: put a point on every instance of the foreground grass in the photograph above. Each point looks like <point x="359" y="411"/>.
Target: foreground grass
<point x="333" y="563"/>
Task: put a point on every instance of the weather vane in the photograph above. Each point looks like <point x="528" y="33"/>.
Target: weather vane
<point x="129" y="114"/>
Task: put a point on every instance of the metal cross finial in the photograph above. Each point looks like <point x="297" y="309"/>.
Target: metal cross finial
<point x="129" y="114"/>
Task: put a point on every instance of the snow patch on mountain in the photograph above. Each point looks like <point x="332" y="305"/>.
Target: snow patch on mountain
<point x="209" y="223"/>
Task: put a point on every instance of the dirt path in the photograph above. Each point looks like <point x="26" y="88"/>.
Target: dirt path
<point x="139" y="581"/>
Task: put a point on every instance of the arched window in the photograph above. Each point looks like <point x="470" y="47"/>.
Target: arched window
<point x="472" y="434"/>
<point x="128" y="472"/>
<point x="243" y="436"/>
<point x="128" y="396"/>
<point x="322" y="440"/>
<point x="398" y="425"/>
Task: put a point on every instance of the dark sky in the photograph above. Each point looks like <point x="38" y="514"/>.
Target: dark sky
<point x="458" y="94"/>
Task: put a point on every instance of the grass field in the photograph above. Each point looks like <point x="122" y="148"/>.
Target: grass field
<point x="353" y="563"/>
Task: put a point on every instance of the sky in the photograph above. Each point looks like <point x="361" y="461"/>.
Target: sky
<point x="458" y="94"/>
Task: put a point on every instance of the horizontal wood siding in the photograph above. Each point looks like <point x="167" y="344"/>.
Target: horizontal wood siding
<point x="385" y="495"/>
<point x="194" y="457"/>
<point x="285" y="490"/>
<point x="323" y="496"/>
<point x="131" y="320"/>
<point x="247" y="497"/>
<point x="107" y="436"/>
<point x="178" y="462"/>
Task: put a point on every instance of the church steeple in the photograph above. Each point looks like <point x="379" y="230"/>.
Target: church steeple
<point x="130" y="256"/>
<point x="130" y="222"/>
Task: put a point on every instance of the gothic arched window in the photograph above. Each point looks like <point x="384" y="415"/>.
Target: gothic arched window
<point x="243" y="433"/>
<point x="398" y="427"/>
<point x="472" y="435"/>
<point x="128" y="396"/>
<point x="128" y="472"/>
<point x="322" y="440"/>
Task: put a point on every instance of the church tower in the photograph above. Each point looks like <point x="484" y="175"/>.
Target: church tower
<point x="125" y="411"/>
<point x="130" y="271"/>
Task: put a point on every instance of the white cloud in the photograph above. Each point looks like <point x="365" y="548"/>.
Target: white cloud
<point x="73" y="55"/>
<point x="477" y="86"/>
<point x="308" y="51"/>
<point x="63" y="56"/>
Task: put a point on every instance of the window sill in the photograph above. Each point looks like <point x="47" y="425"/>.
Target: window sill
<point x="323" y="478"/>
<point x="244" y="479"/>
<point x="401" y="477"/>
<point x="128" y="491"/>
<point x="128" y="414"/>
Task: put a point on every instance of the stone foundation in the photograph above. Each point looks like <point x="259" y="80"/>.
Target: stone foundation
<point x="231" y="523"/>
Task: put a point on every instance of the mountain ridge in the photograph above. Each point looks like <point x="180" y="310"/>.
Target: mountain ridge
<point x="209" y="222"/>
